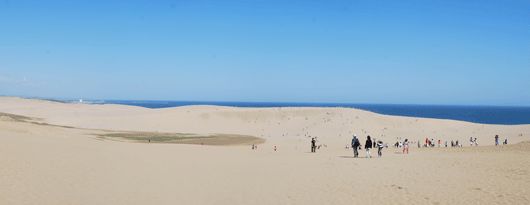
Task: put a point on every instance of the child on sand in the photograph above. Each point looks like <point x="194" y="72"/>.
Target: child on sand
<point x="368" y="146"/>
<point x="471" y="142"/>
<point x="275" y="148"/>
<point x="380" y="147"/>
<point x="476" y="143"/>
<point x="406" y="146"/>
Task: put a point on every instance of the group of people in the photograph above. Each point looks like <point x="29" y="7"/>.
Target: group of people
<point x="473" y="141"/>
<point x="369" y="144"/>
<point x="430" y="143"/>
<point x="356" y="145"/>
<point x="399" y="144"/>
<point x="455" y="144"/>
<point x="505" y="141"/>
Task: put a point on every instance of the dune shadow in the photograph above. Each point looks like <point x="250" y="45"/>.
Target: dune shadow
<point x="346" y="157"/>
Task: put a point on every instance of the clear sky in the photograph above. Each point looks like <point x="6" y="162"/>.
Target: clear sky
<point x="397" y="52"/>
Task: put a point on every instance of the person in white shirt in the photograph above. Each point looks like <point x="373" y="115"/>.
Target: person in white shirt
<point x="379" y="148"/>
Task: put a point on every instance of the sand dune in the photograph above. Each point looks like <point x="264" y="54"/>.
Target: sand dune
<point x="59" y="165"/>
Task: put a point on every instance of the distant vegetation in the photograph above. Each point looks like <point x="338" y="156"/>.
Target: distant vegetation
<point x="183" y="138"/>
<point x="153" y="137"/>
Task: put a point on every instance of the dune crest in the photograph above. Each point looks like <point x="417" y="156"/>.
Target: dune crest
<point x="57" y="153"/>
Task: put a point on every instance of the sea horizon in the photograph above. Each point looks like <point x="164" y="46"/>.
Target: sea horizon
<point x="483" y="114"/>
<point x="335" y="104"/>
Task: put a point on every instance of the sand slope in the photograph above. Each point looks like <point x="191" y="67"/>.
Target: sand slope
<point x="54" y="165"/>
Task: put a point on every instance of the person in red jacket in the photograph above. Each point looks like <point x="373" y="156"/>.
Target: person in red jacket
<point x="496" y="140"/>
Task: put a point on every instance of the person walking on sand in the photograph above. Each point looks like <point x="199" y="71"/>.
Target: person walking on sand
<point x="368" y="146"/>
<point x="496" y="140"/>
<point x="355" y="145"/>
<point x="275" y="148"/>
<point x="471" y="142"/>
<point x="419" y="144"/>
<point x="379" y="148"/>
<point x="439" y="143"/>
<point x="406" y="146"/>
<point x="313" y="145"/>
<point x="476" y="143"/>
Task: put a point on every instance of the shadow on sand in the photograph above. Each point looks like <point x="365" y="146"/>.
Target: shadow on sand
<point x="346" y="157"/>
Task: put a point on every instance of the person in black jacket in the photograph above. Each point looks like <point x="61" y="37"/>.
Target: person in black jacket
<point x="313" y="146"/>
<point x="368" y="146"/>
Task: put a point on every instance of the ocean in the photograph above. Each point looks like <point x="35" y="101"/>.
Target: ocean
<point x="500" y="115"/>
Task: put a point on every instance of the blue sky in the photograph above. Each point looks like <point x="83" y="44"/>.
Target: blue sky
<point x="397" y="52"/>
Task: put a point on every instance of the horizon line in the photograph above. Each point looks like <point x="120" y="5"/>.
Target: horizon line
<point x="212" y="101"/>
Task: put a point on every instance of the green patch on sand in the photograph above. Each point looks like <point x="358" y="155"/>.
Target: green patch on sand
<point x="14" y="118"/>
<point x="183" y="138"/>
<point x="151" y="137"/>
<point x="46" y="124"/>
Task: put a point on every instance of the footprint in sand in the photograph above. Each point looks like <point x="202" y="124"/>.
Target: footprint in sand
<point x="396" y="187"/>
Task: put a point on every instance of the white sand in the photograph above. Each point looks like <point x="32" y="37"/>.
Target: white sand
<point x="53" y="165"/>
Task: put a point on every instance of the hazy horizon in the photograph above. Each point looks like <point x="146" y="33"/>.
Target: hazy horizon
<point x="211" y="101"/>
